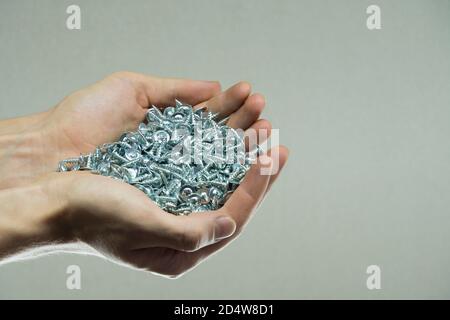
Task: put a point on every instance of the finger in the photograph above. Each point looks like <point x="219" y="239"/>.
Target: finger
<point x="162" y="92"/>
<point x="181" y="261"/>
<point x="192" y="232"/>
<point x="197" y="230"/>
<point x="163" y="261"/>
<point x="228" y="101"/>
<point x="188" y="91"/>
<point x="248" y="195"/>
<point x="242" y="203"/>
<point x="257" y="134"/>
<point x="245" y="116"/>
<point x="282" y="156"/>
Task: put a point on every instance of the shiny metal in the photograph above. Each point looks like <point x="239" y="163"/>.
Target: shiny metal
<point x="177" y="158"/>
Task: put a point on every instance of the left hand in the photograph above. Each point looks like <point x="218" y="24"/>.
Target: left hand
<point x="101" y="112"/>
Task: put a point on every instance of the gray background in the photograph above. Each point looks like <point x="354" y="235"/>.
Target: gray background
<point x="365" y="114"/>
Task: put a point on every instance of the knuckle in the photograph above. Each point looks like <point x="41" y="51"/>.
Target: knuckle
<point x="217" y="85"/>
<point x="190" y="240"/>
<point x="186" y="234"/>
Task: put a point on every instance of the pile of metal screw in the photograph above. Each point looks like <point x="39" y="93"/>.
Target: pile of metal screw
<point x="182" y="158"/>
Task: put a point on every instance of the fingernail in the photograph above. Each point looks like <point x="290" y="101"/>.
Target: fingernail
<point x="224" y="227"/>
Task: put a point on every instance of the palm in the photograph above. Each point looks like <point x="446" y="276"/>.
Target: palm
<point x="98" y="114"/>
<point x="122" y="214"/>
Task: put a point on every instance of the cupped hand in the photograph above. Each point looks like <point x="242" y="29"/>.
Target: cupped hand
<point x="100" y="113"/>
<point x="122" y="224"/>
<point x="134" y="230"/>
<point x="103" y="111"/>
<point x="118" y="220"/>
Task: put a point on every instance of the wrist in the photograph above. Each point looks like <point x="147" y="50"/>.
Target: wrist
<point x="31" y="216"/>
<point x="20" y="124"/>
<point x="24" y="155"/>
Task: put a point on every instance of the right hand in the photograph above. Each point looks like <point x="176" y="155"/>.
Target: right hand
<point x="121" y="223"/>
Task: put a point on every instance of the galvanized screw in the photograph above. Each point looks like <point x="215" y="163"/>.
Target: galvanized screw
<point x="178" y="158"/>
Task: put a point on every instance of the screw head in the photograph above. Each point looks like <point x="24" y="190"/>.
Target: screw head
<point x="169" y="111"/>
<point x="161" y="136"/>
<point x="178" y="158"/>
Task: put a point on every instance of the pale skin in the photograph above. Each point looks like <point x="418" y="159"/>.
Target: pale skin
<point x="40" y="208"/>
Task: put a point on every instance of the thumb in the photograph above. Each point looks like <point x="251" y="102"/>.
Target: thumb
<point x="164" y="91"/>
<point x="197" y="230"/>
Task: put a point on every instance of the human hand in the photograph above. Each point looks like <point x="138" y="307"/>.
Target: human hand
<point x="32" y="146"/>
<point x="121" y="222"/>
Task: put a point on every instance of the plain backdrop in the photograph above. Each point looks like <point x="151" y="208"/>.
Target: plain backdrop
<point x="366" y="115"/>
